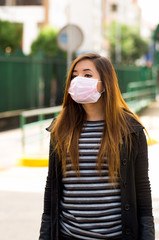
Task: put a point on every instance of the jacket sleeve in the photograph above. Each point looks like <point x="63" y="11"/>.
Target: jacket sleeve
<point x="143" y="191"/>
<point x="45" y="229"/>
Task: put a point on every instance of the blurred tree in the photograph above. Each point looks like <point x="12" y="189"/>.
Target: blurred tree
<point x="10" y="36"/>
<point x="47" y="42"/>
<point x="156" y="33"/>
<point x="132" y="45"/>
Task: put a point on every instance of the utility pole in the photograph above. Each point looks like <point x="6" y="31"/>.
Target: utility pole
<point x="118" y="34"/>
<point x="103" y="16"/>
<point x="103" y="24"/>
<point x="69" y="52"/>
<point x="46" y="9"/>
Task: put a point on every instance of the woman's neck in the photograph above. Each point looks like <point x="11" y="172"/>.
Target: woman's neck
<point x="94" y="111"/>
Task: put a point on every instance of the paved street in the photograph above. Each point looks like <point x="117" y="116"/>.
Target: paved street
<point x="21" y="194"/>
<point x="21" y="188"/>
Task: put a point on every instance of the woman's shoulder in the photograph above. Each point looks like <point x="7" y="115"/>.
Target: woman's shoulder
<point x="133" y="121"/>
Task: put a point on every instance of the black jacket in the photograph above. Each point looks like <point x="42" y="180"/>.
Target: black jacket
<point x="137" y="219"/>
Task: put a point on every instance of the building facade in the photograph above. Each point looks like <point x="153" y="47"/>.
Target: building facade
<point x="91" y="16"/>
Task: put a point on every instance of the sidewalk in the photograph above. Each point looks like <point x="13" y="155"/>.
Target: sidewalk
<point x="150" y="119"/>
<point x="22" y="188"/>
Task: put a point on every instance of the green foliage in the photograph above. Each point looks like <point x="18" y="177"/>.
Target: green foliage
<point x="10" y="36"/>
<point x="132" y="45"/>
<point x="156" y="33"/>
<point x="47" y="42"/>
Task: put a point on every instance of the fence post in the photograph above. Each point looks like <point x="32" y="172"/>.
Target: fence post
<point x="22" y="123"/>
<point x="40" y="119"/>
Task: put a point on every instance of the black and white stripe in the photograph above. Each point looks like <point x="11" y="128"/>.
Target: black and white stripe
<point x="91" y="205"/>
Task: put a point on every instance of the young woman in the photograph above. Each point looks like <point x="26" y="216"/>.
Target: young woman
<point x="97" y="185"/>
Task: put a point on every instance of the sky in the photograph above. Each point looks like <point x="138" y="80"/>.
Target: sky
<point x="150" y="11"/>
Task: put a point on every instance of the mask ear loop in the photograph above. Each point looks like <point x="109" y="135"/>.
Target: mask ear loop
<point x="104" y="89"/>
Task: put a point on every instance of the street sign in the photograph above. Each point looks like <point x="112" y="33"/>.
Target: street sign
<point x="70" y="38"/>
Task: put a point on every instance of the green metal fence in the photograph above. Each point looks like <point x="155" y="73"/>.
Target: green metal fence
<point x="140" y="94"/>
<point x="39" y="124"/>
<point x="29" y="82"/>
<point x="127" y="74"/>
<point x="25" y="81"/>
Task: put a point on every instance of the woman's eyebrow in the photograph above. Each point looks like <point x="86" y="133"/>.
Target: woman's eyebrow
<point x="85" y="70"/>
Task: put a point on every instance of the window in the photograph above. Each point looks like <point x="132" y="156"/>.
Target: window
<point x="2" y="2"/>
<point x="29" y="2"/>
<point x="114" y="7"/>
<point x="20" y="2"/>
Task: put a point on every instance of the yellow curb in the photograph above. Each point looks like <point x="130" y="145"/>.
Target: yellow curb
<point x="32" y="162"/>
<point x="151" y="142"/>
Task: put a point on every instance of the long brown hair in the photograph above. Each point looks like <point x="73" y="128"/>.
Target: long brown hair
<point x="68" y="125"/>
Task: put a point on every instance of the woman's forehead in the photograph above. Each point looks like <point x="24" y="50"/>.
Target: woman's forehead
<point x="85" y="65"/>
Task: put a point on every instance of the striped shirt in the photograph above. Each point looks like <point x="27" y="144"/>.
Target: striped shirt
<point x="91" y="206"/>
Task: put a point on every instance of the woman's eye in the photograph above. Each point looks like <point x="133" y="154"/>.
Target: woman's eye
<point x="88" y="75"/>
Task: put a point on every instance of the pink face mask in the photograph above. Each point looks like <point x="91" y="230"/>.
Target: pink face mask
<point x="84" y="90"/>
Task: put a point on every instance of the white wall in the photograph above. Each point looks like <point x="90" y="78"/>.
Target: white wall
<point x="127" y="12"/>
<point x="57" y="13"/>
<point x="86" y="14"/>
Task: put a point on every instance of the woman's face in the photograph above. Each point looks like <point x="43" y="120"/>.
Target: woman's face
<point x="86" y="68"/>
